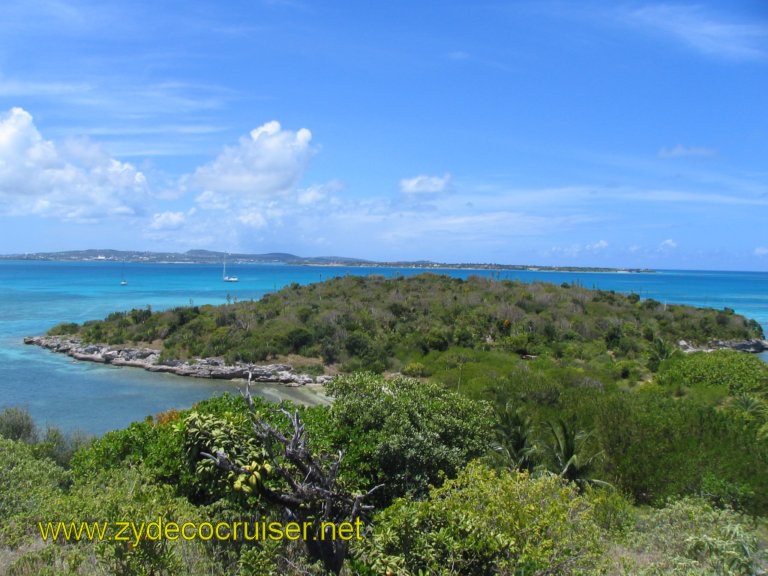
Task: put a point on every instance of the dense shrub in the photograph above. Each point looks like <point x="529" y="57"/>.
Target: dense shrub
<point x="375" y="323"/>
<point x="408" y="435"/>
<point x="18" y="424"/>
<point x="656" y="447"/>
<point x="689" y="537"/>
<point x="734" y="372"/>
<point x="486" y="523"/>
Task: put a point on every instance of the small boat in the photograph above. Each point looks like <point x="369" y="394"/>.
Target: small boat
<point x="228" y="278"/>
<point x="123" y="281"/>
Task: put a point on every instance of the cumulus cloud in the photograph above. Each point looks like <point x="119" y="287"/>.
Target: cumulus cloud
<point x="75" y="180"/>
<point x="210" y="200"/>
<point x="167" y="221"/>
<point x="681" y="151"/>
<point x="310" y="195"/>
<point x="599" y="245"/>
<point x="318" y="192"/>
<point x="425" y="184"/>
<point x="252" y="218"/>
<point x="667" y="245"/>
<point x="251" y="185"/>
<point x="761" y="251"/>
<point x="267" y="163"/>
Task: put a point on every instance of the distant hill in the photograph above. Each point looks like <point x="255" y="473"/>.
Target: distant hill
<point x="210" y="256"/>
<point x="191" y="256"/>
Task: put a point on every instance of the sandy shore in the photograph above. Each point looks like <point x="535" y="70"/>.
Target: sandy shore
<point x="309" y="395"/>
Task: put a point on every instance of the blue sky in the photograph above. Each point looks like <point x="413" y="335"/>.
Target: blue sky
<point x="627" y="134"/>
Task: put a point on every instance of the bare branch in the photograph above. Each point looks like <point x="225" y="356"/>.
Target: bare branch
<point x="310" y="491"/>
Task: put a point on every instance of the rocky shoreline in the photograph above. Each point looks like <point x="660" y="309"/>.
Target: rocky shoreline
<point x="149" y="359"/>
<point x="215" y="368"/>
<point x="754" y="346"/>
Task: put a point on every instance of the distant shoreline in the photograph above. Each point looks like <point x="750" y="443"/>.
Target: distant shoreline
<point x="208" y="257"/>
<point x="499" y="267"/>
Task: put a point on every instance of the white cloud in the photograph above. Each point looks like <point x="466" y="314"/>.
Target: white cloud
<point x="704" y="33"/>
<point x="167" y="221"/>
<point x="425" y="184"/>
<point x="210" y="200"/>
<point x="252" y="218"/>
<point x="681" y="151"/>
<point x="267" y="163"/>
<point x="572" y="251"/>
<point x="250" y="186"/>
<point x="576" y="250"/>
<point x="667" y="245"/>
<point x="599" y="245"/>
<point x="761" y="251"/>
<point x="318" y="192"/>
<point x="75" y="180"/>
<point x="310" y="195"/>
<point x="253" y="184"/>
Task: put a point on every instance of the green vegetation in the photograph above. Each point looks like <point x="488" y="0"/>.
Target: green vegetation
<point x="537" y="430"/>
<point x="687" y="537"/>
<point x="727" y="371"/>
<point x="477" y="518"/>
<point x="415" y="433"/>
<point x="485" y="523"/>
<point x="459" y="331"/>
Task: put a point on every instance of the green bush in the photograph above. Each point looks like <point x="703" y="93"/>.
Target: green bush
<point x="61" y="447"/>
<point x="486" y="523"/>
<point x="17" y="424"/>
<point x="656" y="447"/>
<point x="404" y="433"/>
<point x="415" y="369"/>
<point x="64" y="329"/>
<point x="689" y="537"/>
<point x="26" y="481"/>
<point x="735" y="372"/>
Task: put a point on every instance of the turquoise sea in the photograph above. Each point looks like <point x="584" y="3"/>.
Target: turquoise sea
<point x="36" y="295"/>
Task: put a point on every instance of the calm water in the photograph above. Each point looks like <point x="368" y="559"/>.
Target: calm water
<point x="37" y="295"/>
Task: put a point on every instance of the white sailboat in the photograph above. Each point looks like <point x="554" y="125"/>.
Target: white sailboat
<point x="123" y="281"/>
<point x="228" y="278"/>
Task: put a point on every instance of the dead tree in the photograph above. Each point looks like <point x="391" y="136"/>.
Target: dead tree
<point x="307" y="489"/>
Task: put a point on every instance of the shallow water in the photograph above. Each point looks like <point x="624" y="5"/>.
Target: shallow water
<point x="34" y="296"/>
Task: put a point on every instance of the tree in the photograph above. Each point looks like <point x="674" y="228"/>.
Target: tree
<point x="17" y="424"/>
<point x="660" y="350"/>
<point x="571" y="453"/>
<point x="514" y="445"/>
<point x="282" y="469"/>
<point x="405" y="433"/>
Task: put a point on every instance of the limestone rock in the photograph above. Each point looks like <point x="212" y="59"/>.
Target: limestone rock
<point x="149" y="359"/>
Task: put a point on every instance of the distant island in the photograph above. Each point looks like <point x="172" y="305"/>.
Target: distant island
<point x="212" y="257"/>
